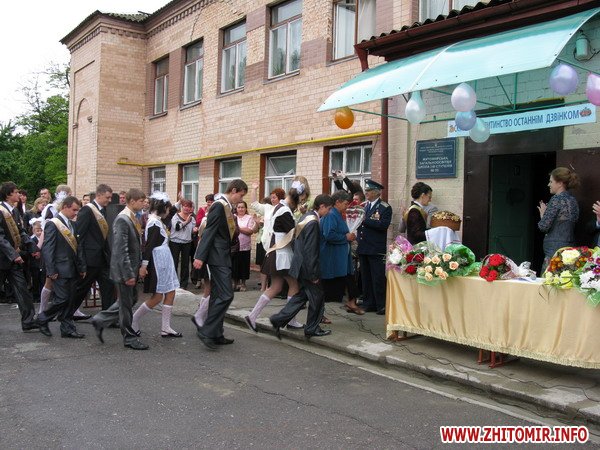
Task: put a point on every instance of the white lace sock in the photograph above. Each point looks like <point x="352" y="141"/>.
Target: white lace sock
<point x="78" y="313"/>
<point x="294" y="322"/>
<point x="138" y="314"/>
<point x="263" y="301"/>
<point x="166" y="319"/>
<point x="202" y="311"/>
<point x="44" y="298"/>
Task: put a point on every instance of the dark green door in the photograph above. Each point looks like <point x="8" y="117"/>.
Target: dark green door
<point x="511" y="201"/>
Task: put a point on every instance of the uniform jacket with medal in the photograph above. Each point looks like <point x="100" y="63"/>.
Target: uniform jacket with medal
<point x="61" y="252"/>
<point x="8" y="247"/>
<point x="372" y="234"/>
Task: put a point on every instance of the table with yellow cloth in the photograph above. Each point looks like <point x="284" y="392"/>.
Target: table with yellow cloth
<point x="516" y="317"/>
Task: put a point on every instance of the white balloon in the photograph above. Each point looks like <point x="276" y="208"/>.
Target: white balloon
<point x="480" y="132"/>
<point x="415" y="109"/>
<point x="463" y="98"/>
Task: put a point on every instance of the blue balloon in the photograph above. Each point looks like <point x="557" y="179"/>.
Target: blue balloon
<point x="466" y="120"/>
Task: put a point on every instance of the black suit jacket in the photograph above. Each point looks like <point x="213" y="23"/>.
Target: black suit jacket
<point x="59" y="257"/>
<point x="7" y="247"/>
<point x="593" y="230"/>
<point x="305" y="262"/>
<point x="95" y="249"/>
<point x="215" y="245"/>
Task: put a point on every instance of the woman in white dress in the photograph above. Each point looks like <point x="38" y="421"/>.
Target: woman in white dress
<point x="158" y="268"/>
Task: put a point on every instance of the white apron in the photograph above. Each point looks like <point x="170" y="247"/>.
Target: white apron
<point x="166" y="274"/>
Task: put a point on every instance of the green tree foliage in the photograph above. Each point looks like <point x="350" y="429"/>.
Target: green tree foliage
<point x="33" y="152"/>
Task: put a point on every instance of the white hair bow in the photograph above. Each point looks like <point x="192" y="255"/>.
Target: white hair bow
<point x="157" y="195"/>
<point x="298" y="186"/>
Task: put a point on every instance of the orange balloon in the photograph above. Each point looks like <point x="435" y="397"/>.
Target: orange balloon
<point x="344" y="117"/>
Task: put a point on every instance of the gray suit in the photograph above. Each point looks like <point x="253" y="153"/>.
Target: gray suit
<point x="125" y="260"/>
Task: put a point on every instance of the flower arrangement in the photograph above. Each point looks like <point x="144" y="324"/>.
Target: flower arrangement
<point x="493" y="267"/>
<point x="396" y="253"/>
<point x="588" y="281"/>
<point x="437" y="266"/>
<point x="565" y="267"/>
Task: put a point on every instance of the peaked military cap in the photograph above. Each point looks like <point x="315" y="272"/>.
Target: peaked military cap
<point x="370" y="184"/>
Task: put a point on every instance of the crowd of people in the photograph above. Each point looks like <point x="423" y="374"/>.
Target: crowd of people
<point x="60" y="249"/>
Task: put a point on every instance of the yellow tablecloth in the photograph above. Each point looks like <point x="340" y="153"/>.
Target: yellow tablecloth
<point x="514" y="317"/>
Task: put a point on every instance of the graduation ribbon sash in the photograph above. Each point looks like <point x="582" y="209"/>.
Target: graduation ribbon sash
<point x="12" y="226"/>
<point x="66" y="233"/>
<point x="102" y="223"/>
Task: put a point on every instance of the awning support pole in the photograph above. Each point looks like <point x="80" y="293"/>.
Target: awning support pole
<point x="378" y="114"/>
<point x="577" y="65"/>
<point x="505" y="93"/>
<point x="439" y="91"/>
<point x="516" y="92"/>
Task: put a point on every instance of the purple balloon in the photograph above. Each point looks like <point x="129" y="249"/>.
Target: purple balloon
<point x="564" y="79"/>
<point x="465" y="120"/>
<point x="592" y="89"/>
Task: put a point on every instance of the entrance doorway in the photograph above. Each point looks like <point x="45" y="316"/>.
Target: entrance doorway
<point x="517" y="184"/>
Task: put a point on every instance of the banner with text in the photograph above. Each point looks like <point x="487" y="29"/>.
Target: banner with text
<point x="533" y="120"/>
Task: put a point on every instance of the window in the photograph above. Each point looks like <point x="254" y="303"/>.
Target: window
<point x="192" y="75"/>
<point x="430" y="9"/>
<point x="348" y="25"/>
<point x="280" y="172"/>
<point x="285" y="38"/>
<point x="354" y="161"/>
<point x="158" y="179"/>
<point x="233" y="73"/>
<point x="229" y="170"/>
<point x="161" y="86"/>
<point x="189" y="183"/>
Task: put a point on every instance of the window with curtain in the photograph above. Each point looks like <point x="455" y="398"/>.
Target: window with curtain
<point x="350" y="27"/>
<point x="192" y="74"/>
<point x="430" y="9"/>
<point x="161" y="85"/>
<point x="233" y="72"/>
<point x="189" y="182"/>
<point x="158" y="179"/>
<point x="229" y="170"/>
<point x="354" y="161"/>
<point x="280" y="172"/>
<point x="285" y="38"/>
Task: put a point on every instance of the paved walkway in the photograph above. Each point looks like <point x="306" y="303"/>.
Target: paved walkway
<point x="570" y="391"/>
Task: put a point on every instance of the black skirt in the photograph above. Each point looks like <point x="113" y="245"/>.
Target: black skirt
<point x="260" y="253"/>
<point x="240" y="265"/>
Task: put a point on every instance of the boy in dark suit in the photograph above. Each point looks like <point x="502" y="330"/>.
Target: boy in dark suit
<point x="14" y="242"/>
<point x="306" y="269"/>
<point x="215" y="250"/>
<point x="64" y="265"/>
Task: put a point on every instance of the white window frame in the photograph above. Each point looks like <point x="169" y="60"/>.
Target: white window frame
<point x="288" y="25"/>
<point x="192" y="183"/>
<point x="224" y="181"/>
<point x="238" y="47"/>
<point x="448" y="6"/>
<point x="358" y="34"/>
<point x="158" y="183"/>
<point x="197" y="66"/>
<point x="285" y="180"/>
<point x="162" y="78"/>
<point x="362" y="174"/>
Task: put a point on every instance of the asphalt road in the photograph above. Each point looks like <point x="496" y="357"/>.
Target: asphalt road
<point x="64" y="393"/>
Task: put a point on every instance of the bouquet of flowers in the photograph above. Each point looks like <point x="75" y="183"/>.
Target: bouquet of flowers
<point x="565" y="266"/>
<point x="354" y="217"/>
<point x="437" y="266"/>
<point x="500" y="267"/>
<point x="396" y="253"/>
<point x="588" y="282"/>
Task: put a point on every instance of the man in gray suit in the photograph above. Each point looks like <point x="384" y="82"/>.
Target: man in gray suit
<point x="214" y="249"/>
<point x="306" y="269"/>
<point x="125" y="262"/>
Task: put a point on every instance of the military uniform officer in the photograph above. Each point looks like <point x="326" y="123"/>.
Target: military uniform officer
<point x="372" y="244"/>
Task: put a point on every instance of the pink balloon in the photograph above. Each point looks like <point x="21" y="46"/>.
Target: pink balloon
<point x="592" y="89"/>
<point x="463" y="98"/>
<point x="564" y="79"/>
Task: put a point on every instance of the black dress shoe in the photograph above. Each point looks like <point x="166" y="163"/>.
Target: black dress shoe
<point x="318" y="333"/>
<point x="29" y="326"/>
<point x="252" y="327"/>
<point x="84" y="317"/>
<point x="370" y="309"/>
<point x="99" y="329"/>
<point x="175" y="334"/>
<point x="381" y="312"/>
<point x="223" y="341"/>
<point x="72" y="335"/>
<point x="208" y="342"/>
<point x="45" y="330"/>
<point x="136" y="344"/>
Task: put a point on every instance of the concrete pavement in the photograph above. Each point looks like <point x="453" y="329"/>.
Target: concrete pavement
<point x="568" y="391"/>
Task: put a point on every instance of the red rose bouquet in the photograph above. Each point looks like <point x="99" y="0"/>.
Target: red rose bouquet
<point x="494" y="266"/>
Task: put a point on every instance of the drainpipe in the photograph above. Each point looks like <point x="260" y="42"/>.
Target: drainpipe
<point x="384" y="148"/>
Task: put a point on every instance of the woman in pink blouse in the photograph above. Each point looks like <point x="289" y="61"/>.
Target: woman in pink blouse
<point x="241" y="260"/>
